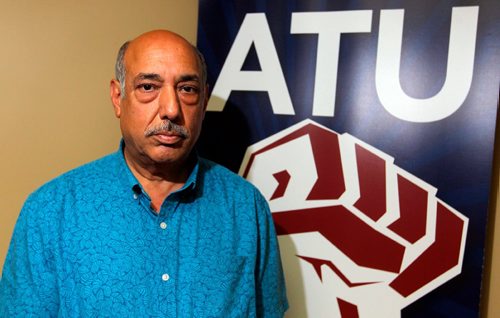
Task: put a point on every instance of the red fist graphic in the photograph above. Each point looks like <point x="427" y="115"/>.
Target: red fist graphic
<point x="359" y="236"/>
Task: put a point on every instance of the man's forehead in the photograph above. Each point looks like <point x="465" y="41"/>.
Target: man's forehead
<point x="148" y="58"/>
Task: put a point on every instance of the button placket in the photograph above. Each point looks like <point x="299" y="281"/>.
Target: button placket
<point x="164" y="220"/>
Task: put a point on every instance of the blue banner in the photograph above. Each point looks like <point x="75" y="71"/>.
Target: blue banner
<point x="369" y="127"/>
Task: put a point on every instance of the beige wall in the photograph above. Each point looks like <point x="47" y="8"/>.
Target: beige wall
<point x="55" y="64"/>
<point x="491" y="291"/>
<point x="56" y="60"/>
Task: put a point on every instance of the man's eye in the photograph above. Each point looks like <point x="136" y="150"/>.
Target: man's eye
<point x="189" y="89"/>
<point x="146" y="87"/>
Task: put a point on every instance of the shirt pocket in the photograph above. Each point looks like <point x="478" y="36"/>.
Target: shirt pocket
<point x="224" y="286"/>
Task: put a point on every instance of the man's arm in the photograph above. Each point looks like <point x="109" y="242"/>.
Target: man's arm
<point x="27" y="286"/>
<point x="270" y="284"/>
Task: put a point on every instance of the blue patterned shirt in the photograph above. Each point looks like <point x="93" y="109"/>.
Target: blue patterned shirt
<point x="87" y="244"/>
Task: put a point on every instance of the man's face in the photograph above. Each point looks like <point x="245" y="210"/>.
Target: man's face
<point x="163" y="83"/>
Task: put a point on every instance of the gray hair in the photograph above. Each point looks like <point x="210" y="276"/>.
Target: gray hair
<point x="120" y="67"/>
<point x="120" y="70"/>
<point x="203" y="65"/>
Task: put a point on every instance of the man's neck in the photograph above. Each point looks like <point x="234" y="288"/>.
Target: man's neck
<point x="159" y="180"/>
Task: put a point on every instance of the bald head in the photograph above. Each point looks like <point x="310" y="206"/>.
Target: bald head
<point x="149" y="40"/>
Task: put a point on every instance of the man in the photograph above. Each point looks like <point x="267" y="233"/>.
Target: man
<point x="152" y="230"/>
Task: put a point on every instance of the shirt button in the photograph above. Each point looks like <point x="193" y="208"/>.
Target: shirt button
<point x="165" y="277"/>
<point x="163" y="225"/>
<point x="135" y="196"/>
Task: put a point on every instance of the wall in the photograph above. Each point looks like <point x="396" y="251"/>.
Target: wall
<point x="491" y="282"/>
<point x="55" y="114"/>
<point x="56" y="60"/>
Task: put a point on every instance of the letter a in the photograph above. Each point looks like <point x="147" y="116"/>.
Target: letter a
<point x="254" y="29"/>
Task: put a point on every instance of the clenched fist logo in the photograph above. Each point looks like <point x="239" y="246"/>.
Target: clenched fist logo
<point x="359" y="236"/>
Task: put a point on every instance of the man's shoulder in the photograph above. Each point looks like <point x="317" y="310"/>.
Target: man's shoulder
<point x="92" y="171"/>
<point x="218" y="171"/>
<point x="218" y="177"/>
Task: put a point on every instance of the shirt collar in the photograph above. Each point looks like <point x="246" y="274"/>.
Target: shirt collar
<point x="130" y="181"/>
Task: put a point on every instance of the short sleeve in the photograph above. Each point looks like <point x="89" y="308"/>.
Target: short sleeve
<point x="28" y="287"/>
<point x="270" y="283"/>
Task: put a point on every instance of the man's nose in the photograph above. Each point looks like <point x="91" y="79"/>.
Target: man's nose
<point x="169" y="105"/>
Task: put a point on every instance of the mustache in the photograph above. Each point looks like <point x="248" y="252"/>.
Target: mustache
<point x="167" y="127"/>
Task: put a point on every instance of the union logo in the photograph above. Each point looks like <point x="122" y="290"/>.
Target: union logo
<point x="359" y="236"/>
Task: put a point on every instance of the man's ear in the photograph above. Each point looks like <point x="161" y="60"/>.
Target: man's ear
<point x="205" y="100"/>
<point x="116" y="96"/>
